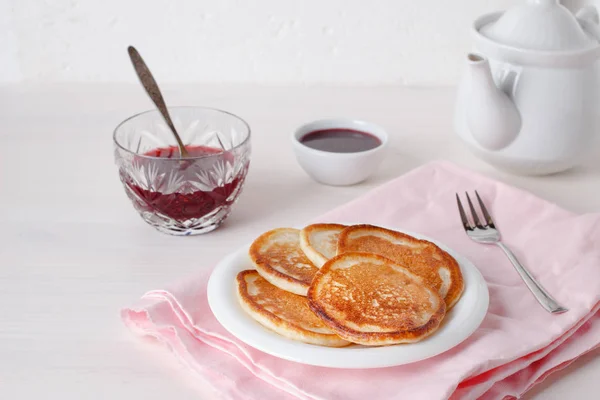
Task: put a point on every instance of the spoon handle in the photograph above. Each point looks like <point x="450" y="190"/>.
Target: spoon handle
<point x="151" y="87"/>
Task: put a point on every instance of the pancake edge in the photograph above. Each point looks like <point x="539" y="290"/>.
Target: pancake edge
<point x="457" y="285"/>
<point x="374" y="338"/>
<point x="277" y="324"/>
<point x="316" y="257"/>
<point x="274" y="277"/>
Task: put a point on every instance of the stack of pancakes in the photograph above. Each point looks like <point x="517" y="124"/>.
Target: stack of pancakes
<point x="333" y="285"/>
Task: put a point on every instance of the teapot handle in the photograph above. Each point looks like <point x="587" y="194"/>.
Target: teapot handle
<point x="587" y="17"/>
<point x="588" y="13"/>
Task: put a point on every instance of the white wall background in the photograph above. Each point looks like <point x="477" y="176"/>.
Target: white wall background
<point x="412" y="42"/>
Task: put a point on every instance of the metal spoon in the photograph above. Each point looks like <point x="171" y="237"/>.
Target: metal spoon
<point x="148" y="82"/>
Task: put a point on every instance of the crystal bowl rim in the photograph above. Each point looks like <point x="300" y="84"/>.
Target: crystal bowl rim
<point x="155" y="111"/>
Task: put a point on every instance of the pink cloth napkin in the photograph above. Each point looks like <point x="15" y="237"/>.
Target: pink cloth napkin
<point x="517" y="345"/>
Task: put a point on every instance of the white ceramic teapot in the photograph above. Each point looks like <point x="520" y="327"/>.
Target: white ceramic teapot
<point x="529" y="98"/>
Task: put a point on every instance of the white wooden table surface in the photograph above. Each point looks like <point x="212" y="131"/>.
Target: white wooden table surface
<point x="73" y="251"/>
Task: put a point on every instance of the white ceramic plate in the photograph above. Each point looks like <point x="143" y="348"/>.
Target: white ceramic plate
<point x="458" y="324"/>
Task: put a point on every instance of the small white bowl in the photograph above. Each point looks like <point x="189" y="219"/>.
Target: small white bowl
<point x="339" y="169"/>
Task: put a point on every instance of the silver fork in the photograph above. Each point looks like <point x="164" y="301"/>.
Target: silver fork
<point x="488" y="234"/>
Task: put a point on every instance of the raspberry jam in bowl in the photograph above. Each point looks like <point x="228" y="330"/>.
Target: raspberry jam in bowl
<point x="183" y="196"/>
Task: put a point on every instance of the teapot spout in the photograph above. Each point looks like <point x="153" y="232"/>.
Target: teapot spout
<point x="492" y="117"/>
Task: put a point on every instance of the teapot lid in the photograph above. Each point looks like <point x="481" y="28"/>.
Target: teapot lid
<point x="539" y="25"/>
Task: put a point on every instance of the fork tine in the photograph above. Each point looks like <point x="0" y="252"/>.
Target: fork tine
<point x="486" y="215"/>
<point x="463" y="216"/>
<point x="473" y="212"/>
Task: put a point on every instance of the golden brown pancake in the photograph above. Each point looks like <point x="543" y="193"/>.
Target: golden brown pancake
<point x="370" y="300"/>
<point x="319" y="242"/>
<point x="279" y="259"/>
<point x="285" y="313"/>
<point x="437" y="268"/>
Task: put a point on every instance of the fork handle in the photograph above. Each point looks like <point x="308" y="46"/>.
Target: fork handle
<point x="538" y="291"/>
